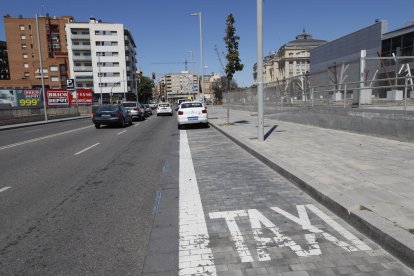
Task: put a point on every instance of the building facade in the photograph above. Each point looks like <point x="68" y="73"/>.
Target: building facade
<point x="4" y="62"/>
<point x="23" y="52"/>
<point x="102" y="56"/>
<point x="177" y="86"/>
<point x="292" y="59"/>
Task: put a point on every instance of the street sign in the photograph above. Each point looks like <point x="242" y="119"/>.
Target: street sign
<point x="70" y="83"/>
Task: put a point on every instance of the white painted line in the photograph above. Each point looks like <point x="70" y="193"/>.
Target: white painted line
<point x="121" y="132"/>
<point x="4" y="189"/>
<point x="42" y="138"/>
<point x="88" y="148"/>
<point x="136" y="124"/>
<point x="195" y="257"/>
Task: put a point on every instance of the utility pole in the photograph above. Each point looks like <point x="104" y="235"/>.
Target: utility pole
<point x="260" y="113"/>
<point x="41" y="68"/>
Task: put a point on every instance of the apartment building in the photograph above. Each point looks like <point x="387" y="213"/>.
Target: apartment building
<point x="292" y="59"/>
<point x="4" y="62"/>
<point x="102" y="56"/>
<point x="179" y="85"/>
<point x="23" y="52"/>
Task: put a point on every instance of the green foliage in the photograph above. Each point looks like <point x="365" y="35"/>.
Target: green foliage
<point x="232" y="44"/>
<point x="145" y="89"/>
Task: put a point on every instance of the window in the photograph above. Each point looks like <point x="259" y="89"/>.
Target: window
<point x="53" y="68"/>
<point x="22" y="27"/>
<point x="114" y="43"/>
<point x="23" y="37"/>
<point x="26" y="74"/>
<point x="54" y="78"/>
<point x="26" y="65"/>
<point x="25" y="56"/>
<point x="24" y="46"/>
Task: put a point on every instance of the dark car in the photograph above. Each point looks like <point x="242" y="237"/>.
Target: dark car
<point x="111" y="114"/>
<point x="148" y="109"/>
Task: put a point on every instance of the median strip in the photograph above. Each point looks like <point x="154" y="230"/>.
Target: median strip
<point x="88" y="148"/>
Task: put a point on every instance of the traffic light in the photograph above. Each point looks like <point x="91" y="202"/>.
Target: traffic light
<point x="153" y="75"/>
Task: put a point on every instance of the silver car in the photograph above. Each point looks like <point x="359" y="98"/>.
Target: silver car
<point x="135" y="109"/>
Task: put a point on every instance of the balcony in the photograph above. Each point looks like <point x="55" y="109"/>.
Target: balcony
<point x="81" y="47"/>
<point x="82" y="68"/>
<point x="80" y="36"/>
<point x="82" y="58"/>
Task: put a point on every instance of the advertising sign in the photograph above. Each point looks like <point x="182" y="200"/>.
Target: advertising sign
<point x="21" y="97"/>
<point x="29" y="98"/>
<point x="58" y="97"/>
<point x="85" y="97"/>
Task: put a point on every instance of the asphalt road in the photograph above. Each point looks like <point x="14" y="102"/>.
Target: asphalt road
<point x="80" y="200"/>
<point x="150" y="199"/>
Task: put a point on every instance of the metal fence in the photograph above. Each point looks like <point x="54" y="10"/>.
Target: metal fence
<point x="298" y="92"/>
<point x="15" y="115"/>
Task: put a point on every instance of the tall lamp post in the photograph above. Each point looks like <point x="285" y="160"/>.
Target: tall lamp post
<point x="201" y="53"/>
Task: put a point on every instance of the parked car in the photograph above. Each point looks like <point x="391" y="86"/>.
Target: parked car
<point x="192" y="113"/>
<point x="111" y="114"/>
<point x="135" y="109"/>
<point x="148" y="109"/>
<point x="164" y="109"/>
<point x="153" y="105"/>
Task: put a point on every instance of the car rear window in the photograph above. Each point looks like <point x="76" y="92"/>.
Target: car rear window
<point x="108" y="108"/>
<point x="164" y="105"/>
<point x="190" y="105"/>
<point x="129" y="104"/>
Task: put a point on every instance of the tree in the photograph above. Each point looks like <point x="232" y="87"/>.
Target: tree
<point x="231" y="39"/>
<point x="233" y="60"/>
<point x="145" y="89"/>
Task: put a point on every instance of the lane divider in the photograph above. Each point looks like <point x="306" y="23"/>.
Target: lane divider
<point x="195" y="255"/>
<point x="121" y="132"/>
<point x="88" y="148"/>
<point x="4" y="189"/>
<point x="42" y="138"/>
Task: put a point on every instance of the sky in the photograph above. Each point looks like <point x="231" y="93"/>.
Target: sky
<point x="165" y="32"/>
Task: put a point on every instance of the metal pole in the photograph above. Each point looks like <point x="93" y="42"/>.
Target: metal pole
<point x="41" y="68"/>
<point x="345" y="95"/>
<point x="313" y="95"/>
<point x="100" y="78"/>
<point x="260" y="112"/>
<point x="405" y="94"/>
<point x="362" y="75"/>
<point x="201" y="53"/>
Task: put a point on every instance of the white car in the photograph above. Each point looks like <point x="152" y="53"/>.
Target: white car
<point x="192" y="113"/>
<point x="164" y="109"/>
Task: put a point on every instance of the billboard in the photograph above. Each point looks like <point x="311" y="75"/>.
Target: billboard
<point x="21" y="97"/>
<point x="84" y="97"/>
<point x="58" y="97"/>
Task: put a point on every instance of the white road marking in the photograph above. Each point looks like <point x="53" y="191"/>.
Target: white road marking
<point x="121" y="132"/>
<point x="195" y="257"/>
<point x="258" y="221"/>
<point x="88" y="148"/>
<point x="42" y="138"/>
<point x="136" y="124"/>
<point x="235" y="232"/>
<point x="4" y="189"/>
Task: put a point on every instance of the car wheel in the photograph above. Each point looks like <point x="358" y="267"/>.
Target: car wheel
<point x="130" y="122"/>
<point x="97" y="126"/>
<point x="180" y="127"/>
<point x="123" y="123"/>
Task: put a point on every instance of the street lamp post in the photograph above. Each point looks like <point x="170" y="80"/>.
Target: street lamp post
<point x="201" y="53"/>
<point x="41" y="68"/>
<point x="260" y="109"/>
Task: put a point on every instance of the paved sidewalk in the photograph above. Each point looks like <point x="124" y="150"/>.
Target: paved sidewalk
<point x="14" y="126"/>
<point x="366" y="180"/>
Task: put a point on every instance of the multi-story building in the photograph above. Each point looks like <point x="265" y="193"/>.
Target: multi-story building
<point x="23" y="52"/>
<point x="178" y="85"/>
<point x="102" y="56"/>
<point x="208" y="85"/>
<point x="292" y="59"/>
<point x="4" y="62"/>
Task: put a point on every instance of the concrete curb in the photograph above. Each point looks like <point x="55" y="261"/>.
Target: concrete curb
<point x="395" y="240"/>
<point x="15" y="126"/>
